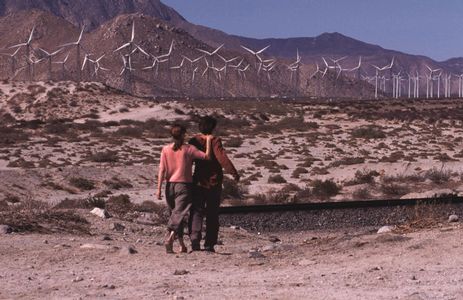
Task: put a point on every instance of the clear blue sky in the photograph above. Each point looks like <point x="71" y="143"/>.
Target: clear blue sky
<point x="430" y="27"/>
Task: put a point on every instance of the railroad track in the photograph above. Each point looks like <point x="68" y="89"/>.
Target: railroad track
<point x="226" y="210"/>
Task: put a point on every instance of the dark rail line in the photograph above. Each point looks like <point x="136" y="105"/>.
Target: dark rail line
<point x="337" y="205"/>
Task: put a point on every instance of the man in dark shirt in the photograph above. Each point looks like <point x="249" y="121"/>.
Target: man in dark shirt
<point x="207" y="178"/>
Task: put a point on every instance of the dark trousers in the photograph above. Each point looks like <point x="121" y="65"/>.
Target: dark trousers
<point x="206" y="203"/>
<point x="179" y="200"/>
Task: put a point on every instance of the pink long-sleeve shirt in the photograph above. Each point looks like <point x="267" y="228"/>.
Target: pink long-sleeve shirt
<point x="177" y="166"/>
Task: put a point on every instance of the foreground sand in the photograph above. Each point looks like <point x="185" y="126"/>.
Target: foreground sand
<point x="342" y="264"/>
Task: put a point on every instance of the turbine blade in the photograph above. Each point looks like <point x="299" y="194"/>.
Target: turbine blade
<point x="249" y="50"/>
<point x="122" y="47"/>
<point x="262" y="50"/>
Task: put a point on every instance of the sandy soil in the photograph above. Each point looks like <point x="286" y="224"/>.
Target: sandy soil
<point x="341" y="264"/>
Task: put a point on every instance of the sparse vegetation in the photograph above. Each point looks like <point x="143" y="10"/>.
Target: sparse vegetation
<point x="325" y="189"/>
<point x="82" y="183"/>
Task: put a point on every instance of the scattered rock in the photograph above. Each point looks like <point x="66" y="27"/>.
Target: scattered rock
<point x="77" y="279"/>
<point x="116" y="226"/>
<point x="386" y="229"/>
<point x="235" y="227"/>
<point x="5" y="229"/>
<point x="127" y="250"/>
<point x="181" y="272"/>
<point x="106" y="238"/>
<point x="109" y="286"/>
<point x="271" y="247"/>
<point x="149" y="219"/>
<point x="274" y="239"/>
<point x="453" y="218"/>
<point x="62" y="246"/>
<point x="255" y="254"/>
<point x="430" y="194"/>
<point x="97" y="247"/>
<point x="102" y="213"/>
<point x="388" y="238"/>
<point x="179" y="298"/>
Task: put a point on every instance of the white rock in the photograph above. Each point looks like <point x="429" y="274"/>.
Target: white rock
<point x="453" y="218"/>
<point x="386" y="229"/>
<point x="102" y="213"/>
<point x="97" y="246"/>
<point x="5" y="229"/>
<point x="429" y="194"/>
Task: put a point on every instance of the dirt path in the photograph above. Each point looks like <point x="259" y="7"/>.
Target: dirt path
<point x="344" y="264"/>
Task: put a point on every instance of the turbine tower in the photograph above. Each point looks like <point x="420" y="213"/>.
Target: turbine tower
<point x="78" y="45"/>
<point x="13" y="61"/>
<point x="49" y="56"/>
<point x="27" y="45"/>
<point x="63" y="66"/>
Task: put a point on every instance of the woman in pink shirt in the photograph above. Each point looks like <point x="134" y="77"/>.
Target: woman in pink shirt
<point x="176" y="169"/>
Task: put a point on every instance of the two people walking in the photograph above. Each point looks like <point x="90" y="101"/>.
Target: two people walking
<point x="193" y="196"/>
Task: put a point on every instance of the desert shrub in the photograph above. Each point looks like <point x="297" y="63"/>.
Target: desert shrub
<point x="393" y="189"/>
<point x="119" y="205"/>
<point x="304" y="194"/>
<point x="130" y="131"/>
<point x="363" y="177"/>
<point x="276" y="179"/>
<point x="231" y="189"/>
<point x="362" y="193"/>
<point x="104" y="157"/>
<point x="368" y="132"/>
<point x="90" y="125"/>
<point x="348" y="161"/>
<point x="438" y="176"/>
<point x="234" y="142"/>
<point x="298" y="171"/>
<point x="156" y="128"/>
<point x="271" y="197"/>
<point x="10" y="136"/>
<point x="117" y="184"/>
<point x="325" y="189"/>
<point x="82" y="183"/>
<point x="87" y="203"/>
<point x="290" y="187"/>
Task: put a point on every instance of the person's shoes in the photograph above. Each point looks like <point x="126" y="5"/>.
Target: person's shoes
<point x="169" y="242"/>
<point x="195" y="247"/>
<point x="209" y="248"/>
<point x="183" y="248"/>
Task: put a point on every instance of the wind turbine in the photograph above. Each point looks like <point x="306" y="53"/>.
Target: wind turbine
<point x="89" y="60"/>
<point x="13" y="60"/>
<point x="98" y="66"/>
<point x="193" y="68"/>
<point x="256" y="54"/>
<point x="32" y="62"/>
<point x="63" y="65"/>
<point x="179" y="67"/>
<point x="381" y="69"/>
<point x="430" y="81"/>
<point x="77" y="44"/>
<point x="130" y="43"/>
<point x="27" y="44"/>
<point x="127" y="72"/>
<point x="49" y="56"/>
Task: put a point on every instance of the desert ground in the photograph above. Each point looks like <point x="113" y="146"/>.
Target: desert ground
<point x="128" y="263"/>
<point x="67" y="148"/>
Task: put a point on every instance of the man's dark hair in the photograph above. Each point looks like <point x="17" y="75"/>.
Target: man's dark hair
<point x="207" y="124"/>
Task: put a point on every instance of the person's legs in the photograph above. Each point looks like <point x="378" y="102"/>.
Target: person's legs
<point x="195" y="224"/>
<point x="213" y="196"/>
<point x="182" y="205"/>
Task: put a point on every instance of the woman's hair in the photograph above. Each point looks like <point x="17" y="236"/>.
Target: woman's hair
<point x="177" y="132"/>
<point x="207" y="124"/>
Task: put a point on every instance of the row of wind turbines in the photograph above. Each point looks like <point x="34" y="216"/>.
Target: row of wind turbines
<point x="24" y="58"/>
